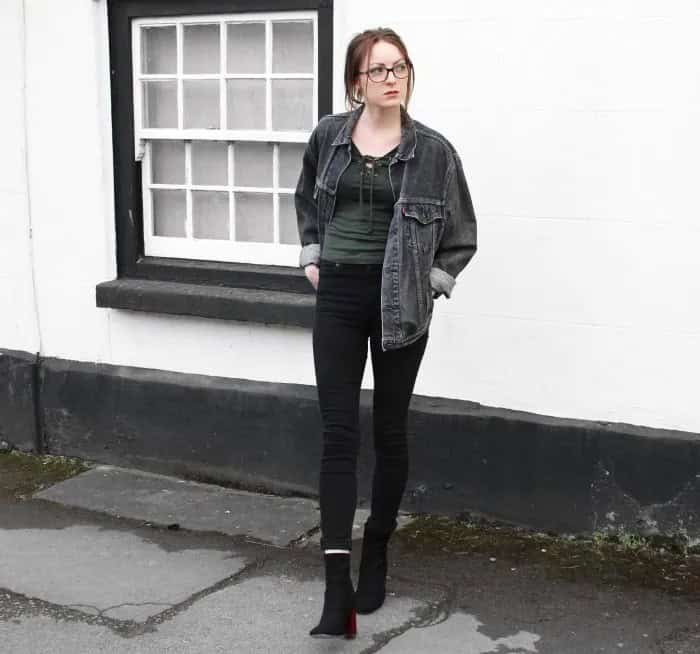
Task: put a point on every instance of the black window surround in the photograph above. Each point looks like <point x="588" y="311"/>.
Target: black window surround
<point x="232" y="291"/>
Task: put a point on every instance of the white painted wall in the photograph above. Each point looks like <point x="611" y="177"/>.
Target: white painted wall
<point x="578" y="130"/>
<point x="68" y="135"/>
<point x="18" y="319"/>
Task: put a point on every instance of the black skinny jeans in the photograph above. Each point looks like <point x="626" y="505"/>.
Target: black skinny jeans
<point x="347" y="314"/>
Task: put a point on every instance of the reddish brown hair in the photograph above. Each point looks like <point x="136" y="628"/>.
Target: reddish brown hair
<point x="357" y="51"/>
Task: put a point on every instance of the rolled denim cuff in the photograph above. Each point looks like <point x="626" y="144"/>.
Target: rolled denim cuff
<point x="310" y="253"/>
<point x="441" y="282"/>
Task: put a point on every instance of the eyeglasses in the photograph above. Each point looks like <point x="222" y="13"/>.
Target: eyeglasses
<point x="380" y="73"/>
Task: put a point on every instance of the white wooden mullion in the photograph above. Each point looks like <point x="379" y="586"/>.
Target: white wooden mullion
<point x="165" y="77"/>
<point x="235" y="189"/>
<point x="253" y="17"/>
<point x="226" y="135"/>
<point x="223" y="63"/>
<point x="268" y="73"/>
<point x="162" y="77"/>
<point x="147" y="184"/>
<point x="231" y="195"/>
<point x="180" y="101"/>
<point x="275" y="254"/>
<point x="275" y="194"/>
<point x="188" y="189"/>
<point x="187" y="76"/>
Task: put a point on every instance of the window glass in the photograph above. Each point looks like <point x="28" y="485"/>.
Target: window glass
<point x="245" y="48"/>
<point x="288" y="220"/>
<point x="292" y="104"/>
<point x="200" y="49"/>
<point x="210" y="163"/>
<point x="168" y="162"/>
<point x="254" y="217"/>
<point x="252" y="164"/>
<point x="210" y="214"/>
<point x="160" y="104"/>
<point x="169" y="213"/>
<point x="292" y="47"/>
<point x="201" y="98"/>
<point x="246" y="103"/>
<point x="159" y="50"/>
<point x="290" y="160"/>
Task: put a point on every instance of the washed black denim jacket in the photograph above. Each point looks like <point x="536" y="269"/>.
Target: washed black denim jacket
<point x="432" y="235"/>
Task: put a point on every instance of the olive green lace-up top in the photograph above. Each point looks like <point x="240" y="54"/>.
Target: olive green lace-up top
<point x="364" y="206"/>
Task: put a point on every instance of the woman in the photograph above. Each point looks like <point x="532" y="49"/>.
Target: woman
<point x="386" y="223"/>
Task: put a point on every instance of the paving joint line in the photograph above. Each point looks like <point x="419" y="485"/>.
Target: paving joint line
<point x="427" y="615"/>
<point x="244" y="573"/>
<point x="121" y="627"/>
<point x="295" y="543"/>
<point x="33" y="606"/>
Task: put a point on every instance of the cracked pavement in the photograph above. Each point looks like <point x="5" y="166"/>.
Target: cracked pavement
<point x="126" y="562"/>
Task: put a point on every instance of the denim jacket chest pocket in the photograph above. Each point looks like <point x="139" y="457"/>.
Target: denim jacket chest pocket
<point x="423" y="225"/>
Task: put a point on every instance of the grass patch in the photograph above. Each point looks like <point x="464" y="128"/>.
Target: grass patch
<point x="663" y="563"/>
<point x="22" y="474"/>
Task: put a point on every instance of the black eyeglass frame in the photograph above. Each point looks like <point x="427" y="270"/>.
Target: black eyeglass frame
<point x="386" y="71"/>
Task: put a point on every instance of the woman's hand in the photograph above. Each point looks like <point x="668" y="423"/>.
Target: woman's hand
<point x="311" y="272"/>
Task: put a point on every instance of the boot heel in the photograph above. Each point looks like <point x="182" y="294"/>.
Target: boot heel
<point x="351" y="625"/>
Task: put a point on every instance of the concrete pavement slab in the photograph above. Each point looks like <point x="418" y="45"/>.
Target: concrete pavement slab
<point x="112" y="573"/>
<point x="261" y="615"/>
<point x="443" y="596"/>
<point x="460" y="634"/>
<point x="202" y="507"/>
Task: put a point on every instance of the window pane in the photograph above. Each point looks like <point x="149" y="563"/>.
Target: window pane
<point x="246" y="103"/>
<point x="291" y="104"/>
<point x="160" y="104"/>
<point x="291" y="155"/>
<point x="210" y="163"/>
<point x="210" y="214"/>
<point x="168" y="162"/>
<point x="246" y="48"/>
<point x="254" y="217"/>
<point x="289" y="232"/>
<point x="158" y="50"/>
<point x="201" y="98"/>
<point x="292" y="47"/>
<point x="168" y="213"/>
<point x="201" y="52"/>
<point x="252" y="164"/>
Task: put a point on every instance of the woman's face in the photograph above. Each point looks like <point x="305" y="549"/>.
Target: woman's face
<point x="378" y="94"/>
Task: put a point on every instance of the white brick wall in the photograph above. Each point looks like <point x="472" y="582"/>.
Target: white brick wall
<point x="18" y="327"/>
<point x="577" y="125"/>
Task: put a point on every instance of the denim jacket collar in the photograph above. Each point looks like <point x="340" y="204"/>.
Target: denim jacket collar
<point x="407" y="146"/>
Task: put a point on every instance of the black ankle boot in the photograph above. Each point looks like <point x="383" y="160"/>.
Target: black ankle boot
<point x="338" y="617"/>
<point x="371" y="585"/>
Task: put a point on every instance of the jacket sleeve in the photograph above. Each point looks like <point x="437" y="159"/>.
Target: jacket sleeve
<point x="305" y="204"/>
<point x="458" y="243"/>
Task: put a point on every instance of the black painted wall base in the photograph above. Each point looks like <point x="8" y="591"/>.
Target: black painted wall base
<point x="18" y="399"/>
<point x="549" y="473"/>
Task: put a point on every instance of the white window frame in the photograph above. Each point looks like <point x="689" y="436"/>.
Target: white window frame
<point x="188" y="247"/>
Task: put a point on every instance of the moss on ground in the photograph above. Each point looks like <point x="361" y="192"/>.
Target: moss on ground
<point x="22" y="474"/>
<point x="664" y="563"/>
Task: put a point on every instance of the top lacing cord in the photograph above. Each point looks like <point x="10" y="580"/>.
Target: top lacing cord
<point x="369" y="163"/>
